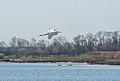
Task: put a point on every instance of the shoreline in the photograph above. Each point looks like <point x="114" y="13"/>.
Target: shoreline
<point x="59" y="64"/>
<point x="92" y="58"/>
<point x="68" y="63"/>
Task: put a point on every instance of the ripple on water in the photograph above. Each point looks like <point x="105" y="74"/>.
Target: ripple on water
<point x="52" y="72"/>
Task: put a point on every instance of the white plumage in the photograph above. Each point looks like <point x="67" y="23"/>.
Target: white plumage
<point x="50" y="33"/>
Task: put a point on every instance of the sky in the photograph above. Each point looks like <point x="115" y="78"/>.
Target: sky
<point x="29" y="18"/>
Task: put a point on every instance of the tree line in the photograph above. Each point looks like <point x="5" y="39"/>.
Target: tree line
<point x="100" y="41"/>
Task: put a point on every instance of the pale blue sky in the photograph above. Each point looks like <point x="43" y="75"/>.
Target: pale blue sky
<point x="28" y="18"/>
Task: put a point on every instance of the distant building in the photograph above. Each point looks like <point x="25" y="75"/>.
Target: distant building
<point x="1" y="55"/>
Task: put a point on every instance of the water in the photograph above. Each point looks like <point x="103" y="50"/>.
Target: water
<point x="53" y="72"/>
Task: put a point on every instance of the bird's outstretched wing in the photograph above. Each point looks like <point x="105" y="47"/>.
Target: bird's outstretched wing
<point x="50" y="36"/>
<point x="44" y="34"/>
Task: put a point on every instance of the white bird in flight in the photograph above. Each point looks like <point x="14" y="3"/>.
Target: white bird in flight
<point x="50" y="33"/>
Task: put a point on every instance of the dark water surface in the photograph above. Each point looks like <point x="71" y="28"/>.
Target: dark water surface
<point x="53" y="72"/>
